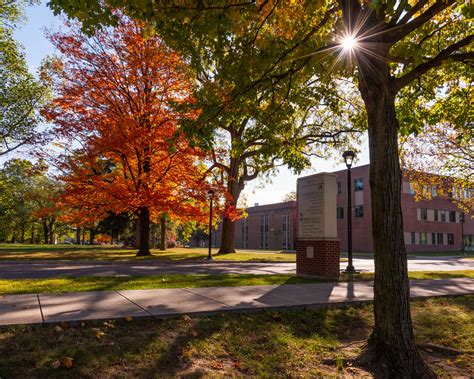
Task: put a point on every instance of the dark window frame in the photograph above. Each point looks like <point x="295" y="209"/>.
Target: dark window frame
<point x="359" y="211"/>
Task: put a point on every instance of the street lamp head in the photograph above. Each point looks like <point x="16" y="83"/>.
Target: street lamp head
<point x="348" y="156"/>
<point x="462" y="218"/>
<point x="210" y="194"/>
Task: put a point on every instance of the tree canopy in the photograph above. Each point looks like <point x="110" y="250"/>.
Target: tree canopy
<point x="21" y="93"/>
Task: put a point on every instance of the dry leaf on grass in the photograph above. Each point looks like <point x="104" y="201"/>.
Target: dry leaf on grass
<point x="99" y="335"/>
<point x="67" y="362"/>
<point x="58" y="329"/>
<point x="56" y="364"/>
<point x="128" y="318"/>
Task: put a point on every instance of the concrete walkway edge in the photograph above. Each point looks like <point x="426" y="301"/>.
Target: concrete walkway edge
<point x="78" y="306"/>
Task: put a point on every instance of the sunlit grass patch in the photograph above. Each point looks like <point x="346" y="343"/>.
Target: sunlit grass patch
<point x="265" y="344"/>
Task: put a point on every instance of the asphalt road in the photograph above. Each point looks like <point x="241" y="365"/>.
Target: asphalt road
<point x="18" y="270"/>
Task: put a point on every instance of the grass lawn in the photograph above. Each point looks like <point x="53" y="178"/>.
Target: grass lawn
<point x="108" y="253"/>
<point x="310" y="343"/>
<point x="453" y="254"/>
<point x="111" y="283"/>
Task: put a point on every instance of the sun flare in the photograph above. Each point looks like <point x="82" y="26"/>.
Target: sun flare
<point x="348" y="43"/>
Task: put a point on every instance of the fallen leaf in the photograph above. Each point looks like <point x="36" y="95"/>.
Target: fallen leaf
<point x="216" y="365"/>
<point x="67" y="362"/>
<point x="193" y="333"/>
<point x="128" y="318"/>
<point x="99" y="335"/>
<point x="187" y="319"/>
<point x="58" y="329"/>
<point x="56" y="364"/>
<point x="64" y="324"/>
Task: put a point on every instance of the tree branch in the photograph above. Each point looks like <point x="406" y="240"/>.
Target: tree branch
<point x="445" y="54"/>
<point x="401" y="30"/>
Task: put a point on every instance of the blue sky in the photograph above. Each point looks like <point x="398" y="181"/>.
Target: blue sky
<point x="31" y="35"/>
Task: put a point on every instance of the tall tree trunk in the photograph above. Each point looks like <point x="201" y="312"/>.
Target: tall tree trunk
<point x="144" y="232"/>
<point x="91" y="235"/>
<point x="22" y="234"/>
<point x="45" y="230"/>
<point x="392" y="341"/>
<point x="228" y="237"/>
<point x="78" y="235"/>
<point x="234" y="187"/>
<point x="32" y="236"/>
<point x="163" y="232"/>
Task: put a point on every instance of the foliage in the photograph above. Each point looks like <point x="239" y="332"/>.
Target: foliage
<point x="25" y="194"/>
<point x="291" y="196"/>
<point x="440" y="162"/>
<point x="116" y="100"/>
<point x="21" y="94"/>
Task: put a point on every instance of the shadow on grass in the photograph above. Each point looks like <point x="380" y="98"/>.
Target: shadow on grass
<point x="270" y="344"/>
<point x="261" y="344"/>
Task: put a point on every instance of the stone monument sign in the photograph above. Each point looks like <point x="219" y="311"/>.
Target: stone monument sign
<point x="317" y="246"/>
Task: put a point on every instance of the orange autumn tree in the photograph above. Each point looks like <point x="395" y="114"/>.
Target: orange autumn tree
<point x="118" y="95"/>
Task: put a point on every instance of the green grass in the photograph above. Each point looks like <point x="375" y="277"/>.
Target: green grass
<point x="265" y="344"/>
<point x="109" y="253"/>
<point x="420" y="254"/>
<point x="113" y="283"/>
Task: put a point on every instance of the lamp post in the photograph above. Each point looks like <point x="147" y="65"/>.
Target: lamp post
<point x="461" y="220"/>
<point x="349" y="156"/>
<point x="210" y="196"/>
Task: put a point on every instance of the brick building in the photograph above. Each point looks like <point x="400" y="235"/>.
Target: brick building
<point x="429" y="225"/>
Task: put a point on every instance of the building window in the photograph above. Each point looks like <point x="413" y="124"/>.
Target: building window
<point x="433" y="238"/>
<point x="434" y="191"/>
<point x="413" y="238"/>
<point x="450" y="239"/>
<point x="436" y="216"/>
<point x="286" y="231"/>
<point x="440" y="238"/>
<point x="340" y="212"/>
<point x="443" y="216"/>
<point x="452" y="216"/>
<point x="411" y="191"/>
<point x="264" y="232"/>
<point x="424" y="214"/>
<point x="339" y="187"/>
<point x="423" y="239"/>
<point x="358" y="184"/>
<point x="245" y="234"/>
<point x="359" y="211"/>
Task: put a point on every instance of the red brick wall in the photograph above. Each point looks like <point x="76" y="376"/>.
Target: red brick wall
<point x="325" y="261"/>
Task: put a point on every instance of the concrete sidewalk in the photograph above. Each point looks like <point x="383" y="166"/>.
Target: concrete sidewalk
<point x="46" y="308"/>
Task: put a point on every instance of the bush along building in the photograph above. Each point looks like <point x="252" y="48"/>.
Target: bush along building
<point x="433" y="225"/>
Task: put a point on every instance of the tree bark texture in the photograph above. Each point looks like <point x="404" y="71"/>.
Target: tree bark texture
<point x="144" y="232"/>
<point x="392" y="341"/>
<point x="78" y="236"/>
<point x="234" y="187"/>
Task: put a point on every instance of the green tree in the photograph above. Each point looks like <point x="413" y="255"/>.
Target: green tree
<point x="26" y="192"/>
<point x="21" y="94"/>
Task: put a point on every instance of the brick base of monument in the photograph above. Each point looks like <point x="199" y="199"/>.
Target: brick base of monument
<point x="318" y="258"/>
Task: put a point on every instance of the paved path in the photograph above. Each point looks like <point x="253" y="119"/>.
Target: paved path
<point x="45" y="269"/>
<point x="46" y="308"/>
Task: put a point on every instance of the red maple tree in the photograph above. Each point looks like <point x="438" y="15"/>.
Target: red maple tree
<point x="117" y="105"/>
